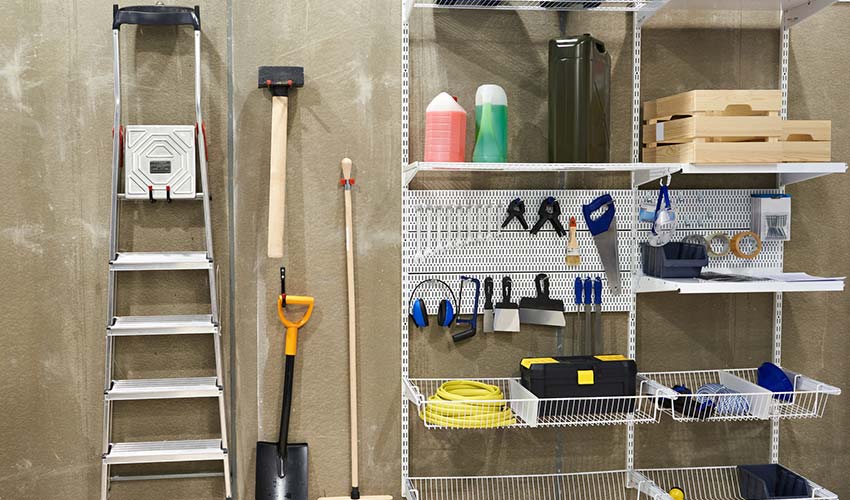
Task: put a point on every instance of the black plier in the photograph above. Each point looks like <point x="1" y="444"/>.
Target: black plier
<point x="549" y="211"/>
<point x="516" y="210"/>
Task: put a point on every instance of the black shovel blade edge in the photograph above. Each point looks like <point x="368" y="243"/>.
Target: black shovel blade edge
<point x="270" y="485"/>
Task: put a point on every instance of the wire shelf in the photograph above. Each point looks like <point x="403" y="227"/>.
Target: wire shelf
<point x="712" y="483"/>
<point x="521" y="408"/>
<point x="749" y="402"/>
<point x="610" y="485"/>
<point x="575" y="5"/>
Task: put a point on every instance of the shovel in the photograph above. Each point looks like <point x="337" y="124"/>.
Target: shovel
<point x="282" y="466"/>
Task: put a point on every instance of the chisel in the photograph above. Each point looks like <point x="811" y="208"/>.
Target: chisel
<point x="596" y="346"/>
<point x="576" y="330"/>
<point x="588" y="325"/>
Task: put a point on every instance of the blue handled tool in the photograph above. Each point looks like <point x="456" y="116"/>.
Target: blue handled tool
<point x="578" y="287"/>
<point x="604" y="230"/>
<point x="664" y="222"/>
<point x="588" y="325"/>
<point x="596" y="343"/>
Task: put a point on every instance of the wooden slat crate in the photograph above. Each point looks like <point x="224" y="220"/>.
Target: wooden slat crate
<point x="806" y="140"/>
<point x="714" y="103"/>
<point x="714" y="126"/>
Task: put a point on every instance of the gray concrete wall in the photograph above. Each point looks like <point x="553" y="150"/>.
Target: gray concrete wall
<point x="55" y="64"/>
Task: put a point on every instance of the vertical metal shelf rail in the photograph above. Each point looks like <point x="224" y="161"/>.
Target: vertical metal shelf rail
<point x="793" y="12"/>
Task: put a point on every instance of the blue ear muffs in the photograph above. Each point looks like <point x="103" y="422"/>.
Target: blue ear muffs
<point x="418" y="313"/>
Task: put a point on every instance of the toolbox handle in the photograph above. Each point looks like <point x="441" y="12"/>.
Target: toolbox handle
<point x="156" y="15"/>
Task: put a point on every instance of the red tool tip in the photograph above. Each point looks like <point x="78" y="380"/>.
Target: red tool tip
<point x="268" y="83"/>
<point x="289" y="82"/>
<point x="572" y="222"/>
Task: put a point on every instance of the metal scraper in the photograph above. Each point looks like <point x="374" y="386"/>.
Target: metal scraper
<point x="488" y="305"/>
<point x="604" y="231"/>
<point x="506" y="313"/>
<point x="541" y="309"/>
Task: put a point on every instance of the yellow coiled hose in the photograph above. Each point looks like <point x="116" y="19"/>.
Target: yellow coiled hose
<point x="454" y="405"/>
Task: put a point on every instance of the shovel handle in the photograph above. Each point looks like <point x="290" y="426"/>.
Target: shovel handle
<point x="277" y="176"/>
<point x="293" y="326"/>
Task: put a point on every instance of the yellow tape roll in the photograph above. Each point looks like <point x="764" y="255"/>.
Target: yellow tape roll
<point x="735" y="245"/>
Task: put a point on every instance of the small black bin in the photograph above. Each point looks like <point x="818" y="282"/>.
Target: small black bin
<point x="673" y="260"/>
<point x="769" y="481"/>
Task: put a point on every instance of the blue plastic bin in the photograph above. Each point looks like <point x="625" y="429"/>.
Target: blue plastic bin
<point x="673" y="260"/>
<point x="769" y="481"/>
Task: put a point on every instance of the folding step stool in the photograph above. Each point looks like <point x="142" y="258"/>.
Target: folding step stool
<point x="160" y="162"/>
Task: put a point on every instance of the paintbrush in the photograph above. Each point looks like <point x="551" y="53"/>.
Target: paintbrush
<point x="573" y="255"/>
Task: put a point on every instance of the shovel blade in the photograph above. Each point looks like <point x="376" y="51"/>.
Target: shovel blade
<point x="270" y="484"/>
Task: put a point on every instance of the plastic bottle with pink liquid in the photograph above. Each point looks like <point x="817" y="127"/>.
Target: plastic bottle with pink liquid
<point x="445" y="130"/>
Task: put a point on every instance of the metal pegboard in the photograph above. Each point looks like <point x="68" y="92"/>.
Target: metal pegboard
<point x="460" y="232"/>
<point x="709" y="211"/>
<point x="560" y="287"/>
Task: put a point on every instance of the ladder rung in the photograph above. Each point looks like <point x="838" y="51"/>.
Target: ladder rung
<point x="163" y="388"/>
<point x="198" y="197"/>
<point x="162" y="325"/>
<point x="165" y="451"/>
<point x="159" y="261"/>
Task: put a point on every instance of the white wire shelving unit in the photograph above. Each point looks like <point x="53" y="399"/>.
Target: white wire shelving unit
<point x="655" y="395"/>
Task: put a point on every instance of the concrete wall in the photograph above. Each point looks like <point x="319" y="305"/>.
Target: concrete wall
<point x="55" y="64"/>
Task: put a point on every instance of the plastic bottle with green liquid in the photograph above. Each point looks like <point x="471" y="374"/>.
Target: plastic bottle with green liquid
<point x="491" y="125"/>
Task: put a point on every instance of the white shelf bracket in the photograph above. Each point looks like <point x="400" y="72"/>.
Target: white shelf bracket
<point x="797" y="14"/>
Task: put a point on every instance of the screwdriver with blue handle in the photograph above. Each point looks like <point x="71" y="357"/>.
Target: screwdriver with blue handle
<point x="596" y="346"/>
<point x="588" y="325"/>
<point x="576" y="330"/>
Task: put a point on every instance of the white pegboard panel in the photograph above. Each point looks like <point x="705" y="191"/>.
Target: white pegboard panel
<point x="709" y="211"/>
<point x="460" y="232"/>
<point x="560" y="287"/>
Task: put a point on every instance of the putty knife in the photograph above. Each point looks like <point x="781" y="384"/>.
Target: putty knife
<point x="506" y="313"/>
<point x="488" y="305"/>
<point x="542" y="309"/>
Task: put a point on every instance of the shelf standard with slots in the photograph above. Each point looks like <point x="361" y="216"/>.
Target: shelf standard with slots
<point x="750" y="401"/>
<point x="713" y="483"/>
<point x="608" y="485"/>
<point x="521" y="408"/>
<point x="650" y="284"/>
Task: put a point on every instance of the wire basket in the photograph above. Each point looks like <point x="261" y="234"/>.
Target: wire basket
<point x="712" y="483"/>
<point x="745" y="400"/>
<point x="610" y="485"/>
<point x="521" y="408"/>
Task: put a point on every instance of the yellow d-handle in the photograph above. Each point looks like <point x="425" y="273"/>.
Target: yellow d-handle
<point x="292" y="327"/>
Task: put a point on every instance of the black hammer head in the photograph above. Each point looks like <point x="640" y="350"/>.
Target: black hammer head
<point x="279" y="79"/>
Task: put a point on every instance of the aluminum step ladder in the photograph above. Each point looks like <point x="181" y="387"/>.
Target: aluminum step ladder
<point x="160" y="162"/>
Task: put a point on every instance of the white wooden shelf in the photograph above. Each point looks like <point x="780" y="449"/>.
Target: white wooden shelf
<point x="788" y="173"/>
<point x="649" y="284"/>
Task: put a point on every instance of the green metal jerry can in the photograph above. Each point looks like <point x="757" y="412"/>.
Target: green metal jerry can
<point x="579" y="100"/>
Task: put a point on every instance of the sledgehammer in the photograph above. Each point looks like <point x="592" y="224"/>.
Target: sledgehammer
<point x="279" y="80"/>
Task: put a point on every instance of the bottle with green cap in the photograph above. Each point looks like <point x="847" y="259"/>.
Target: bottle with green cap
<point x="491" y="125"/>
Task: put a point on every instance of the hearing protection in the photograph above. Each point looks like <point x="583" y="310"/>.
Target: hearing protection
<point x="418" y="312"/>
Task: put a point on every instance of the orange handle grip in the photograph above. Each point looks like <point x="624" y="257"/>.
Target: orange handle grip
<point x="293" y="326"/>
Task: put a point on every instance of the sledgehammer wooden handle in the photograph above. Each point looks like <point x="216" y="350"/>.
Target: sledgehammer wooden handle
<point x="277" y="176"/>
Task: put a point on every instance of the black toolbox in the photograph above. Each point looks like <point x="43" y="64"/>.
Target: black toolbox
<point x="581" y="377"/>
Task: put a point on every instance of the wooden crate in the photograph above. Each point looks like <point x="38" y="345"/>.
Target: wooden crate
<point x="806" y="141"/>
<point x="715" y="152"/>
<point x="714" y="103"/>
<point x="713" y="129"/>
<point x="714" y="126"/>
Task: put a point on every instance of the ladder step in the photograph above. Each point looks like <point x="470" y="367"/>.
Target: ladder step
<point x="165" y="451"/>
<point x="163" y="388"/>
<point x="123" y="197"/>
<point x="159" y="261"/>
<point x="162" y="325"/>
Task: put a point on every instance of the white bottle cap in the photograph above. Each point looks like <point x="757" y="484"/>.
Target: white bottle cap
<point x="444" y="102"/>
<point x="491" y="94"/>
